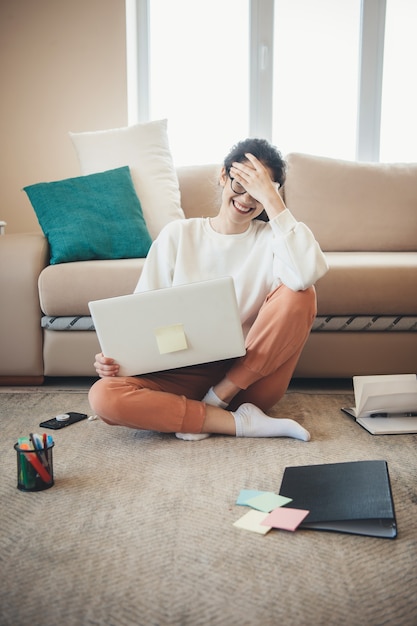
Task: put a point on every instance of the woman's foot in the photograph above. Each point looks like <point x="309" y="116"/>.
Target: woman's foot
<point x="252" y="422"/>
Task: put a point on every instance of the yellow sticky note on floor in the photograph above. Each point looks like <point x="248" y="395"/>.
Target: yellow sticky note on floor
<point x="253" y="521"/>
<point x="171" y="338"/>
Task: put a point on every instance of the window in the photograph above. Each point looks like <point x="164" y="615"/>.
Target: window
<point x="318" y="76"/>
<point x="316" y="55"/>
<point x="399" y="97"/>
<point x="199" y="75"/>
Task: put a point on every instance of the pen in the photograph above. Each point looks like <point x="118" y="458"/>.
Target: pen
<point x="37" y="444"/>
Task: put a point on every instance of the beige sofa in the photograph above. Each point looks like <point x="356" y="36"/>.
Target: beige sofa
<point x="363" y="215"/>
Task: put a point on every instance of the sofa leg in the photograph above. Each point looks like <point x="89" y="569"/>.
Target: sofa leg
<point x="14" y="381"/>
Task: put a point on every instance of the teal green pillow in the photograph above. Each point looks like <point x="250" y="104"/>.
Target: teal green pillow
<point x="98" y="216"/>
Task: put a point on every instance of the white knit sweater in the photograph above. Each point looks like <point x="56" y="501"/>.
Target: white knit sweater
<point x="267" y="254"/>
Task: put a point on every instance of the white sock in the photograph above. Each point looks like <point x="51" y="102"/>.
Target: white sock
<point x="212" y="399"/>
<point x="192" y="436"/>
<point x="252" y="422"/>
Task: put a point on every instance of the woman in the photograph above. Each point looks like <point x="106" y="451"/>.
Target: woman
<point x="274" y="262"/>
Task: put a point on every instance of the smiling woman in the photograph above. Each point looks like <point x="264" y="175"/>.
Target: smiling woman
<point x="274" y="266"/>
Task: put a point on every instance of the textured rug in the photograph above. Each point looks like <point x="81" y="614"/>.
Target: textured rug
<point x="138" y="528"/>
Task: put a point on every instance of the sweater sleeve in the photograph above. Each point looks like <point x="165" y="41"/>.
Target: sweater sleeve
<point x="158" y="269"/>
<point x="298" y="259"/>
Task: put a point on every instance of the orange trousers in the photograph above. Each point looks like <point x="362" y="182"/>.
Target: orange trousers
<point x="170" y="401"/>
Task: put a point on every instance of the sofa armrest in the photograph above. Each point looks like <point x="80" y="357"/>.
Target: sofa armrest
<point x="22" y="258"/>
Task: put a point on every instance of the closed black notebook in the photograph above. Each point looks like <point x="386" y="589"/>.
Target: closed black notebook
<point x="353" y="497"/>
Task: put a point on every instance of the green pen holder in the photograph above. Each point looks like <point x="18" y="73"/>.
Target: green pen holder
<point x="35" y="470"/>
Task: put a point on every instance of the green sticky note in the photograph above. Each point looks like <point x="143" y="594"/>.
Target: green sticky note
<point x="267" y="501"/>
<point x="247" y="494"/>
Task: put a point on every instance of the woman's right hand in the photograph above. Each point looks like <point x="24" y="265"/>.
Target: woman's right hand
<point x="105" y="366"/>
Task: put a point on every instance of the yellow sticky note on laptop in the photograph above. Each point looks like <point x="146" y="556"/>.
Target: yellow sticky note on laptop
<point x="171" y="338"/>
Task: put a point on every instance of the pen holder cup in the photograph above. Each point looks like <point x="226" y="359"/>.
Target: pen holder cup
<point x="35" y="470"/>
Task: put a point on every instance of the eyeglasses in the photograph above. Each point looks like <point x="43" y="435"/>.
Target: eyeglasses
<point x="237" y="188"/>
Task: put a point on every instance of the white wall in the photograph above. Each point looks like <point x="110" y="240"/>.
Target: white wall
<point x="62" y="68"/>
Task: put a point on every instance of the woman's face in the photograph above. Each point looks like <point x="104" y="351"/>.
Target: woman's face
<point x="239" y="208"/>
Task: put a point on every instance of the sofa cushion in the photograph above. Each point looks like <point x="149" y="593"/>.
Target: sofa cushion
<point x="91" y="217"/>
<point x="366" y="283"/>
<point x="145" y="148"/>
<point x="353" y="206"/>
<point x="66" y="289"/>
<point x="201" y="193"/>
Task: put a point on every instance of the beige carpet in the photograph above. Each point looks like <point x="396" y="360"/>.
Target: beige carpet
<point x="138" y="528"/>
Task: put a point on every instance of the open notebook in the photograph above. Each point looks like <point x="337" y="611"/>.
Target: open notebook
<point x="170" y="328"/>
<point x="385" y="404"/>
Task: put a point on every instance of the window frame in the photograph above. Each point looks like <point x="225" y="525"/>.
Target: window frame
<point x="371" y="59"/>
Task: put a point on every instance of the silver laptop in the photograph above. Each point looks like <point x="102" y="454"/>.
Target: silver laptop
<point x="170" y="328"/>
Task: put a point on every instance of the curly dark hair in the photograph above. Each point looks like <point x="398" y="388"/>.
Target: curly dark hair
<point x="268" y="154"/>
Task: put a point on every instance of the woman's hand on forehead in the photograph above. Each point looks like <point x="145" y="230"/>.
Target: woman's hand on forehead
<point x="252" y="162"/>
<point x="257" y="179"/>
<point x="252" y="174"/>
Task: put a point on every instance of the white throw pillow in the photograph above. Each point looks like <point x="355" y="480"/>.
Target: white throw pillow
<point x="145" y="149"/>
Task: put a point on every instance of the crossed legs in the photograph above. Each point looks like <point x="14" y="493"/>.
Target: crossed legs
<point x="171" y="401"/>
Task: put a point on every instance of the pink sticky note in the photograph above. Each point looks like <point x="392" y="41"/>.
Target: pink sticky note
<point x="285" y="518"/>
